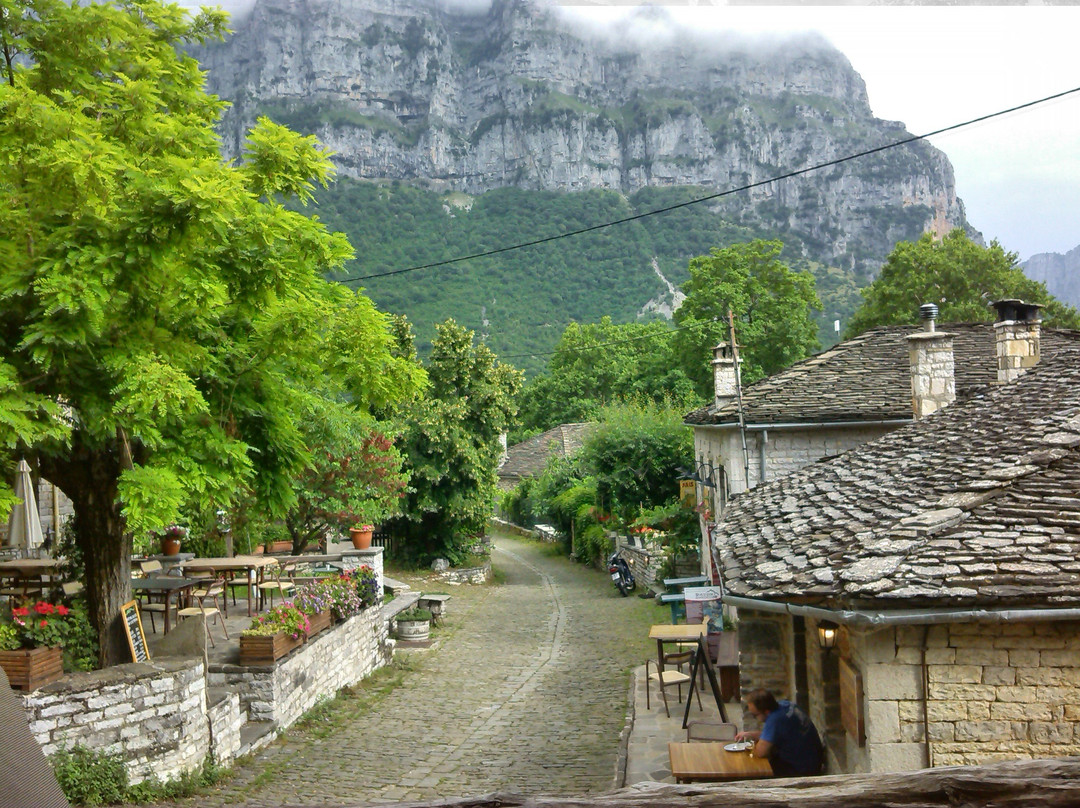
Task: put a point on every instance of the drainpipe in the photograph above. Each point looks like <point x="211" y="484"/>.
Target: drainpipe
<point x="764" y="440"/>
<point x="925" y="700"/>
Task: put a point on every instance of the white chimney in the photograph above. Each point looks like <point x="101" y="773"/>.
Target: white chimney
<point x="933" y="381"/>
<point x="1017" y="331"/>
<point x="724" y="376"/>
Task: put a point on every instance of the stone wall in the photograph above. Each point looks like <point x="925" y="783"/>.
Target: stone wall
<point x="154" y="715"/>
<point x="466" y="575"/>
<point x="226" y="721"/>
<point x="996" y="691"/>
<point x="764" y="655"/>
<point x="333" y="659"/>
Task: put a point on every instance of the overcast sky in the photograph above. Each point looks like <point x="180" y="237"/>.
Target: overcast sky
<point x="930" y="67"/>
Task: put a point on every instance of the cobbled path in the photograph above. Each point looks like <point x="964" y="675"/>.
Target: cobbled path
<point x="526" y="691"/>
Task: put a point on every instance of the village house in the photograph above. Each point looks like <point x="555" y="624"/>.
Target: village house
<point x="528" y="458"/>
<point x="854" y="392"/>
<point x="920" y="594"/>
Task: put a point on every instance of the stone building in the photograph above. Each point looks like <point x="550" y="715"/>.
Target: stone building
<point x="528" y="458"/>
<point x="944" y="561"/>
<point x="854" y="392"/>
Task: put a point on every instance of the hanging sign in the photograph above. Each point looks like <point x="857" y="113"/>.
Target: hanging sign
<point x="686" y="491"/>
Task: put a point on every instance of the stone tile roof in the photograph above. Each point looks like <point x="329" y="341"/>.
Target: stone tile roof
<point x="976" y="505"/>
<point x="528" y="458"/>
<point x="867" y="378"/>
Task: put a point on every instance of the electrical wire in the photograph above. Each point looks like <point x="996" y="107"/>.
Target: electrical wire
<point x="718" y="195"/>
<point x="583" y="349"/>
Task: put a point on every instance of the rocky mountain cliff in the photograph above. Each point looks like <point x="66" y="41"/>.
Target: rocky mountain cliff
<point x="1060" y="273"/>
<point x="517" y="96"/>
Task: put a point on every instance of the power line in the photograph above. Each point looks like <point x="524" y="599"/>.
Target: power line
<point x="718" y="195"/>
<point x="580" y="349"/>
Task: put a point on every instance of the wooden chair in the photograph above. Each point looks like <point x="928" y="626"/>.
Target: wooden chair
<point x="665" y="679"/>
<point x="147" y="604"/>
<point x="210" y="589"/>
<point x="699" y="730"/>
<point x="281" y="582"/>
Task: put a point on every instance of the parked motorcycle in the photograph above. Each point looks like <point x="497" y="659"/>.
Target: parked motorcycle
<point x="621" y="575"/>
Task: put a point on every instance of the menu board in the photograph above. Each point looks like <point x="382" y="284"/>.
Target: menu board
<point x="134" y="631"/>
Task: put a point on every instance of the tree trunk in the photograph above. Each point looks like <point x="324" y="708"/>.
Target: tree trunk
<point x="90" y="477"/>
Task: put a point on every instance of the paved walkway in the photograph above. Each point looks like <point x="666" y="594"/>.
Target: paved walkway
<point x="526" y="690"/>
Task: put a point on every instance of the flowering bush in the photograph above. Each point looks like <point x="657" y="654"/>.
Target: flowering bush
<point x="367" y="585"/>
<point x="344" y="600"/>
<point x="313" y="598"/>
<point x="285" y="617"/>
<point x="368" y="528"/>
<point x="43" y="624"/>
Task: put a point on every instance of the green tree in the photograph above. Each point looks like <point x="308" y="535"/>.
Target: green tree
<point x="772" y="307"/>
<point x="597" y="364"/>
<point x="451" y="444"/>
<point x="961" y="277"/>
<point x="163" y="317"/>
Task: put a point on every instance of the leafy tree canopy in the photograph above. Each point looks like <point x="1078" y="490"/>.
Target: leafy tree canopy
<point x="961" y="277"/>
<point x="597" y="364"/>
<point x="771" y="304"/>
<point x="163" y="316"/>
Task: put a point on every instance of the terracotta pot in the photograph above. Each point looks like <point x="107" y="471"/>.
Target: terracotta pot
<point x="30" y="668"/>
<point x="170" y="546"/>
<point x="361" y="539"/>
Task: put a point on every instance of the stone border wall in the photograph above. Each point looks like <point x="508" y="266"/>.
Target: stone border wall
<point x="336" y="658"/>
<point x="467" y="575"/>
<point x="154" y="715"/>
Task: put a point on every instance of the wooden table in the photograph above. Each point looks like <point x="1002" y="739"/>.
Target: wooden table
<point x="664" y="633"/>
<point x="710" y="761"/>
<point x="167" y="586"/>
<point x="252" y="565"/>
<point x="29" y="569"/>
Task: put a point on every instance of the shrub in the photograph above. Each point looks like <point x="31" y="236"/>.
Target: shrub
<point x="415" y="614"/>
<point x="90" y="778"/>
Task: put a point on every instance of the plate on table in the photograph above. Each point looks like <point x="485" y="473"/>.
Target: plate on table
<point x="738" y="746"/>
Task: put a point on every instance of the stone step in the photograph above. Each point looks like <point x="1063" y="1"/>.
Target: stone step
<point x="254" y="735"/>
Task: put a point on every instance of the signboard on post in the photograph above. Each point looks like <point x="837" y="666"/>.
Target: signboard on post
<point x="134" y="631"/>
<point x="687" y="493"/>
<point x="702" y="602"/>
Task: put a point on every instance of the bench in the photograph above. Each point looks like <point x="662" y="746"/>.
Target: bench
<point x="436" y="604"/>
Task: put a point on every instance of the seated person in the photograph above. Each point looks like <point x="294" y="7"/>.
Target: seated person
<point x="788" y="738"/>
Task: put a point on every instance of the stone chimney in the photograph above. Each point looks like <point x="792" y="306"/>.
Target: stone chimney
<point x="724" y="381"/>
<point x="1017" y="330"/>
<point x="933" y="383"/>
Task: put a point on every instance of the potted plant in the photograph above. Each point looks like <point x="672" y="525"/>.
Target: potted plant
<point x="315" y="601"/>
<point x="361" y="536"/>
<point x="414" y="624"/>
<point x="367" y="586"/>
<point x="343" y="597"/>
<point x="171" y="538"/>
<point x="32" y="642"/>
<point x="273" y="635"/>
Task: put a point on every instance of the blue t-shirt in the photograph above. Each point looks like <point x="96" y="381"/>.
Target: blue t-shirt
<point x="795" y="741"/>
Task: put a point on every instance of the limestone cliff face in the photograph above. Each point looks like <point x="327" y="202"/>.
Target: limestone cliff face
<point x="1060" y="273"/>
<point x="405" y="89"/>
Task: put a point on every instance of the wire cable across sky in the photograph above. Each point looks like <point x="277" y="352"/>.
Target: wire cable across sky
<point x="718" y="194"/>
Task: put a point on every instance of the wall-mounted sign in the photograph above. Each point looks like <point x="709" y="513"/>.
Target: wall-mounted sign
<point x="686" y="492"/>
<point x="851" y="703"/>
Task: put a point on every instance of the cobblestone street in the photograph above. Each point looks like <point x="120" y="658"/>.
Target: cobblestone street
<point x="526" y="690"/>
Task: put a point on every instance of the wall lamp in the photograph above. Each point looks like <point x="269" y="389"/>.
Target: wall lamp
<point x="826" y="635"/>
<point x="702" y="475"/>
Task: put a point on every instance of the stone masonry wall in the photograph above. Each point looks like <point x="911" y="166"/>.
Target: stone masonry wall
<point x="226" y="721"/>
<point x="333" y="659"/>
<point x="154" y="715"/>
<point x="764" y="657"/>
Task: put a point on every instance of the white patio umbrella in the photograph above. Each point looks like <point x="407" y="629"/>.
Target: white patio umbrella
<point x="24" y="524"/>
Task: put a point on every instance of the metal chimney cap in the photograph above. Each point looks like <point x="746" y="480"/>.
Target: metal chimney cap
<point x="1013" y="309"/>
<point x="928" y="311"/>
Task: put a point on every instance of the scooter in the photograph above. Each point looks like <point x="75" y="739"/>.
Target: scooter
<point x="621" y="575"/>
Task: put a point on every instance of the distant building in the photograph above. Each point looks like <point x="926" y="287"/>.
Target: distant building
<point x="528" y="458"/>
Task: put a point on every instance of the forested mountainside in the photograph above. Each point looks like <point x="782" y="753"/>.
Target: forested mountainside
<point x="1060" y="273"/>
<point x="512" y="97"/>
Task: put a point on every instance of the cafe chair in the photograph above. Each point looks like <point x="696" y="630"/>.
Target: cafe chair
<point x="700" y="730"/>
<point x="147" y="605"/>
<point x="207" y="590"/>
<point x="281" y="582"/>
<point x="664" y="680"/>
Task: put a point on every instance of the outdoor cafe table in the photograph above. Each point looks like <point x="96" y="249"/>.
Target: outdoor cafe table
<point x="710" y="761"/>
<point x="167" y="586"/>
<point x="664" y="633"/>
<point x="252" y="565"/>
<point x="28" y="570"/>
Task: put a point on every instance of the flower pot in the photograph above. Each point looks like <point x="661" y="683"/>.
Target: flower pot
<point x="266" y="649"/>
<point x="284" y="546"/>
<point x="413" y="629"/>
<point x="170" y="545"/>
<point x="361" y="539"/>
<point x="317" y="622"/>
<point x="31" y="668"/>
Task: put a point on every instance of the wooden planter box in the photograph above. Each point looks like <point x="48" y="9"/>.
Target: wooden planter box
<point x="318" y="623"/>
<point x="267" y="649"/>
<point x="30" y="668"/>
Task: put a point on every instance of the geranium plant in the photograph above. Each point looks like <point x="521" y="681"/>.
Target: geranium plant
<point x="42" y="625"/>
<point x="284" y="618"/>
<point x="175" y="532"/>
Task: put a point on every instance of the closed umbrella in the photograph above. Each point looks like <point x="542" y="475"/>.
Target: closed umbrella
<point x="24" y="524"/>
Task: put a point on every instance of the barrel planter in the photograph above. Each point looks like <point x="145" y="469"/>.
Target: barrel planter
<point x="413" y="630"/>
<point x="31" y="668"/>
<point x="267" y="649"/>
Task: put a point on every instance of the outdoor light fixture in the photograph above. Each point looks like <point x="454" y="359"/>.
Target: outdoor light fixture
<point x="826" y="634"/>
<point x="702" y="475"/>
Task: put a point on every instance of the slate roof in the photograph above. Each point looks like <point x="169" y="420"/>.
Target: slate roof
<point x="867" y="378"/>
<point x="976" y="505"/>
<point x="528" y="458"/>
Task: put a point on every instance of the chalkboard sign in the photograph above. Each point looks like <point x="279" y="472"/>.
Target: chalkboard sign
<point x="134" y="631"/>
<point x="702" y="659"/>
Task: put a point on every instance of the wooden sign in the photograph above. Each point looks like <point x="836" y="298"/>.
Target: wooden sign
<point x="688" y="492"/>
<point x="701" y="658"/>
<point x="134" y="631"/>
<point x="851" y="703"/>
